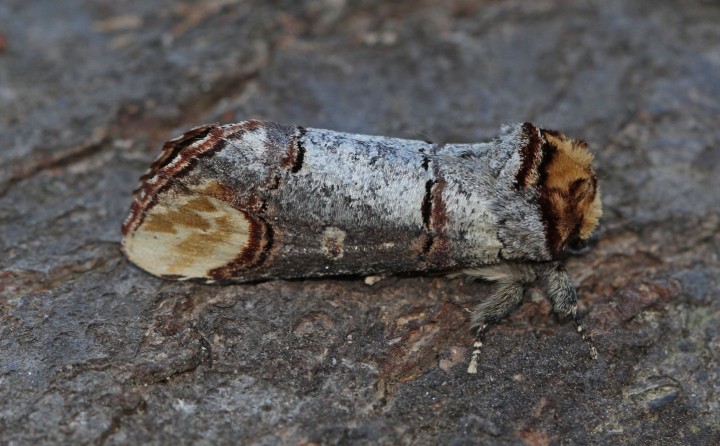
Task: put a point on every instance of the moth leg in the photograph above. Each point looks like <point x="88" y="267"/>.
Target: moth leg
<point x="563" y="296"/>
<point x="559" y="288"/>
<point x="505" y="297"/>
<point x="472" y="367"/>
<point x="511" y="280"/>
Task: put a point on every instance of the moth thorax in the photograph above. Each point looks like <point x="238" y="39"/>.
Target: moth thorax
<point x="569" y="196"/>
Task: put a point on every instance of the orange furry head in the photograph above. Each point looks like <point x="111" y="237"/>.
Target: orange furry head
<point x="569" y="195"/>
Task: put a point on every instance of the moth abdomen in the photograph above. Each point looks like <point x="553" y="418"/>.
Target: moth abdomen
<point x="258" y="200"/>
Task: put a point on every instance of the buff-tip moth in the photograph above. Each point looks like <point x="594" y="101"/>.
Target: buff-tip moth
<point x="258" y="200"/>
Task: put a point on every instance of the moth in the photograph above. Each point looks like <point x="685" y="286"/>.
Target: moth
<point x="258" y="200"/>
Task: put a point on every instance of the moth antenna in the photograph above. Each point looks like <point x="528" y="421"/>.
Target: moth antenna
<point x="424" y="135"/>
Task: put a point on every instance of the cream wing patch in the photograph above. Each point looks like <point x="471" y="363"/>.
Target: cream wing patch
<point x="187" y="236"/>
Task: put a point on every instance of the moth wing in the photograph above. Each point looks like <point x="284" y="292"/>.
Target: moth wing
<point x="189" y="220"/>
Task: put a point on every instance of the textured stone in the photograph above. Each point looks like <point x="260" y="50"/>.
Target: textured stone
<point x="92" y="350"/>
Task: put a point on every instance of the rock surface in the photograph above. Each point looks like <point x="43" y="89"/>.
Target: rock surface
<point x="94" y="351"/>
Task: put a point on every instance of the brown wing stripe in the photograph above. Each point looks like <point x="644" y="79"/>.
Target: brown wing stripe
<point x="529" y="156"/>
<point x="300" y="156"/>
<point x="178" y="158"/>
<point x="259" y="244"/>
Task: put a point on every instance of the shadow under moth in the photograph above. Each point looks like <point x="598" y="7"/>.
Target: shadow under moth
<point x="258" y="200"/>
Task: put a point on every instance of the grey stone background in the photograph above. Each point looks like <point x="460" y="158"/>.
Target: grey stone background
<point x="94" y="351"/>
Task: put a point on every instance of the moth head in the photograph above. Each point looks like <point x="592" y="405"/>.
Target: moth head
<point x="569" y="195"/>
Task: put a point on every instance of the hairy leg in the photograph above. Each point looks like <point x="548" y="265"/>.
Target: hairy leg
<point x="563" y="296"/>
<point x="558" y="287"/>
<point x="511" y="280"/>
